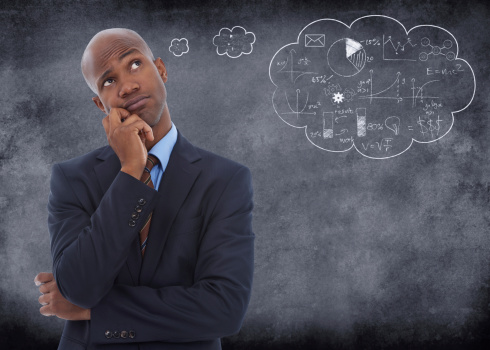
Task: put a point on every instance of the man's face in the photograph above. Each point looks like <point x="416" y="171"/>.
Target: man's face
<point x="126" y="77"/>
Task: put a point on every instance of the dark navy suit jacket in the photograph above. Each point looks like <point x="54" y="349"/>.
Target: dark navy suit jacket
<point x="193" y="284"/>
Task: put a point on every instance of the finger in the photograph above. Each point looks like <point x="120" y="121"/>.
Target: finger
<point x="46" y="311"/>
<point x="47" y="287"/>
<point x="131" y="119"/>
<point x="116" y="118"/>
<point x="43" y="277"/>
<point x="141" y="133"/>
<point x="43" y="299"/>
<point x="149" y="135"/>
<point x="116" y="115"/>
<point x="142" y="137"/>
<point x="140" y="126"/>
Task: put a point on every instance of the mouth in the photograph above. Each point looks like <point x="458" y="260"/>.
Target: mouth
<point x="135" y="103"/>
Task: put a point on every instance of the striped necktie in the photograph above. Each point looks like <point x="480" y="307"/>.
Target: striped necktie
<point x="146" y="179"/>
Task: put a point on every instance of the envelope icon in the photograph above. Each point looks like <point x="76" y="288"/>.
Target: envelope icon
<point x="314" y="40"/>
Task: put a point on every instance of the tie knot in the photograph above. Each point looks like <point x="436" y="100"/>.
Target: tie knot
<point x="151" y="161"/>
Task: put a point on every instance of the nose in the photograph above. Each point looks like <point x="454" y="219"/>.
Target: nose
<point x="127" y="88"/>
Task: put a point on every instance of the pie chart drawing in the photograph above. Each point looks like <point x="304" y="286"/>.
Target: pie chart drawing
<point x="346" y="57"/>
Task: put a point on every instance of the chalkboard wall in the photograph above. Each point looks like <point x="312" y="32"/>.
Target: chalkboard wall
<point x="351" y="252"/>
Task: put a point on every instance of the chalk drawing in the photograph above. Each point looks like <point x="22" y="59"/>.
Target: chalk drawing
<point x="372" y="86"/>
<point x="295" y="108"/>
<point x="361" y="121"/>
<point x="437" y="50"/>
<point x="398" y="51"/>
<point x="346" y="57"/>
<point x="393" y="124"/>
<point x="179" y="46"/>
<point x="288" y="66"/>
<point x="314" y="40"/>
<point x="234" y="42"/>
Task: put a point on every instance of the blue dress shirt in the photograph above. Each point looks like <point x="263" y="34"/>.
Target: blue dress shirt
<point x="162" y="150"/>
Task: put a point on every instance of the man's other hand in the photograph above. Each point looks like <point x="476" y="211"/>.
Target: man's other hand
<point x="127" y="134"/>
<point x="54" y="304"/>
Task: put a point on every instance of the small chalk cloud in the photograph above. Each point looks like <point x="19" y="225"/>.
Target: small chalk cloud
<point x="373" y="85"/>
<point x="234" y="42"/>
<point x="179" y="46"/>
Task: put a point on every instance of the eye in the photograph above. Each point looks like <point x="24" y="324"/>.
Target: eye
<point x="135" y="64"/>
<point x="108" y="82"/>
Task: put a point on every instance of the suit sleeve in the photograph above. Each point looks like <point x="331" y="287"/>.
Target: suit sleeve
<point x="214" y="306"/>
<point x="89" y="250"/>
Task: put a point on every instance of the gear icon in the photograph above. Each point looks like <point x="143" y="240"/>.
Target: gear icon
<point x="338" y="97"/>
<point x="348" y="95"/>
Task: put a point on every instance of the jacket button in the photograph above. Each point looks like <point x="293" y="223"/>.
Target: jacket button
<point x="138" y="209"/>
<point x="135" y="215"/>
<point x="108" y="334"/>
<point x="116" y="334"/>
<point x="124" y="334"/>
<point x="132" y="334"/>
<point x="142" y="201"/>
<point x="132" y="223"/>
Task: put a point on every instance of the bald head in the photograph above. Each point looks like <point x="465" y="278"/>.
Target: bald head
<point x="106" y="44"/>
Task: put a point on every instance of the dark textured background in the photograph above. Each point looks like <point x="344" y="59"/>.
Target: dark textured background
<point x="351" y="253"/>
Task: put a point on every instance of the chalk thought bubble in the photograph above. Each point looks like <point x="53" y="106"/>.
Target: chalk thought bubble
<point x="372" y="86"/>
<point x="234" y="42"/>
<point x="179" y="46"/>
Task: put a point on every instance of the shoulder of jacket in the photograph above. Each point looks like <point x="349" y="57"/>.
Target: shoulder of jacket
<point x="85" y="161"/>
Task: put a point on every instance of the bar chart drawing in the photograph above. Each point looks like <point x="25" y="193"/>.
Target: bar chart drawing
<point x="361" y="121"/>
<point x="327" y="131"/>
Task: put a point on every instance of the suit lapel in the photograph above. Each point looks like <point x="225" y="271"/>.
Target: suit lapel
<point x="106" y="172"/>
<point x="177" y="180"/>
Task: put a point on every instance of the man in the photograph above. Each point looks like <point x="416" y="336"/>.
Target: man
<point x="187" y="282"/>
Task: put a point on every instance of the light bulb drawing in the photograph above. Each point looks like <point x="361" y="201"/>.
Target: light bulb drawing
<point x="393" y="123"/>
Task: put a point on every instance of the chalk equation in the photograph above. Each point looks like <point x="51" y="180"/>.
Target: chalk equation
<point x="372" y="86"/>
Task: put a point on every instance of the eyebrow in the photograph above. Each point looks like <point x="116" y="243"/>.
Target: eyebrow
<point x="107" y="72"/>
<point x="126" y="54"/>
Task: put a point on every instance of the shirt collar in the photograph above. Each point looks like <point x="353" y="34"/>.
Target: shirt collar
<point x="164" y="147"/>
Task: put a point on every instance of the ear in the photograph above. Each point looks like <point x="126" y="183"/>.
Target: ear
<point x="161" y="69"/>
<point x="99" y="104"/>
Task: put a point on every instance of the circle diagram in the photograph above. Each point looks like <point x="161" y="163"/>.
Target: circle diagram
<point x="346" y="57"/>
